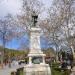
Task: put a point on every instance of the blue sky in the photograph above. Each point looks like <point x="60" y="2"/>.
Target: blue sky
<point x="14" y="44"/>
<point x="17" y="43"/>
<point x="13" y="7"/>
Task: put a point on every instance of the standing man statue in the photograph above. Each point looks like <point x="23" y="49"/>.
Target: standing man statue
<point x="34" y="18"/>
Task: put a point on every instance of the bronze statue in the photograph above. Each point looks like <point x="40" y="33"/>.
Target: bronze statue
<point x="34" y="18"/>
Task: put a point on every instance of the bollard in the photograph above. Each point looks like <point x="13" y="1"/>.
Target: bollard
<point x="13" y="73"/>
<point x="20" y="71"/>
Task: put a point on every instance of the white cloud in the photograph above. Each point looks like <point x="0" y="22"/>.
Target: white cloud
<point x="14" y="6"/>
<point x="47" y="3"/>
<point x="10" y="6"/>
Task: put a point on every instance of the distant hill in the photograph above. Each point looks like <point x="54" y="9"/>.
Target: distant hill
<point x="11" y="53"/>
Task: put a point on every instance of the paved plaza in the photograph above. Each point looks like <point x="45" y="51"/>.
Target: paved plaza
<point x="73" y="71"/>
<point x="7" y="71"/>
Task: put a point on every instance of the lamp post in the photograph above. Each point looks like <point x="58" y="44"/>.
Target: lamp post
<point x="3" y="32"/>
<point x="0" y="57"/>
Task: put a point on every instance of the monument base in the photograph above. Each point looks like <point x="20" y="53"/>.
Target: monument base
<point x="37" y="69"/>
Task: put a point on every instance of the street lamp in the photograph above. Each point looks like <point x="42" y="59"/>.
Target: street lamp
<point x="3" y="32"/>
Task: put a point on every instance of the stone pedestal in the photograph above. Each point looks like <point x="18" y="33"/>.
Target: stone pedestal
<point x="37" y="69"/>
<point x="37" y="65"/>
<point x="35" y="49"/>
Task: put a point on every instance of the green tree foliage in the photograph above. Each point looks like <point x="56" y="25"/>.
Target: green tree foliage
<point x="11" y="53"/>
<point x="49" y="52"/>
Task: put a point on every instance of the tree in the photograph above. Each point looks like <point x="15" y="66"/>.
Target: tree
<point x="9" y="29"/>
<point x="66" y="10"/>
<point x="29" y="6"/>
<point x="25" y="19"/>
<point x="59" y="25"/>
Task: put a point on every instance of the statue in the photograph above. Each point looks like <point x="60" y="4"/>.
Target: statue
<point x="34" y="18"/>
<point x="36" y="64"/>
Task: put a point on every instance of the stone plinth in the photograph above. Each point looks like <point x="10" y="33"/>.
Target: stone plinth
<point x="37" y="69"/>
<point x="35" y="41"/>
<point x="37" y="65"/>
<point x="35" y="49"/>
